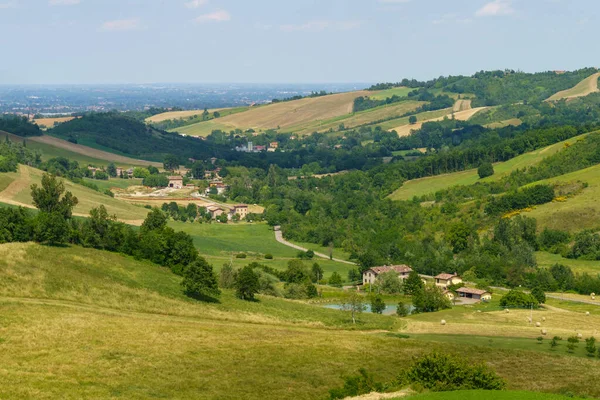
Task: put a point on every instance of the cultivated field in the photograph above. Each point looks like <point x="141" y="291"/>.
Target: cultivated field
<point x="80" y="323"/>
<point x="50" y="122"/>
<point x="545" y="259"/>
<point x="91" y="152"/>
<point x="432" y="184"/>
<point x="397" y="91"/>
<point x="424" y="116"/>
<point x="583" y="88"/>
<point x="18" y="192"/>
<point x="173" y="115"/>
<point x="464" y="115"/>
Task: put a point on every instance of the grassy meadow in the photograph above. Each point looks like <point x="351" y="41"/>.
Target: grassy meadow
<point x="423" y="186"/>
<point x="81" y="323"/>
<point x="220" y="243"/>
<point x="19" y="193"/>
<point x="397" y="91"/>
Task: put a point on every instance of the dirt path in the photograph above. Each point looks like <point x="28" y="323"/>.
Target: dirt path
<point x="382" y="396"/>
<point x="90" y="152"/>
<point x="280" y="239"/>
<point x="462" y="105"/>
<point x="18" y="185"/>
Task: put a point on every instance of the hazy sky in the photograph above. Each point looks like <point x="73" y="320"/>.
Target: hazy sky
<point x="146" y="41"/>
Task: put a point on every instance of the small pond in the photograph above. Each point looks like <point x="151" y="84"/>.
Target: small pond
<point x="389" y="310"/>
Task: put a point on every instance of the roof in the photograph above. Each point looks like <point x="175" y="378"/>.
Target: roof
<point x="471" y="291"/>
<point x="240" y="206"/>
<point x="396" y="268"/>
<point x="214" y="208"/>
<point x="176" y="178"/>
<point x="446" y="276"/>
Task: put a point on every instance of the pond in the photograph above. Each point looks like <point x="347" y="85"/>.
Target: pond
<point x="389" y="310"/>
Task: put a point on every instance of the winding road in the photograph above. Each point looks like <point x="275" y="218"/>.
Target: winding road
<point x="280" y="239"/>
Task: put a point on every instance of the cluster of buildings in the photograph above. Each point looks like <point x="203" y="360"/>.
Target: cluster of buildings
<point x="120" y="171"/>
<point x="443" y="281"/>
<point x="241" y="210"/>
<point x="251" y="148"/>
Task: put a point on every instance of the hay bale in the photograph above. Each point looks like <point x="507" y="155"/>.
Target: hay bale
<point x="579" y="336"/>
<point x="593" y="297"/>
<point x="538" y="324"/>
<point x="443" y="322"/>
<point x="592" y="294"/>
<point x="587" y="313"/>
<point x="506" y="310"/>
<point x="544" y="332"/>
<point x="529" y="320"/>
<point x="543" y="319"/>
<point x="478" y="311"/>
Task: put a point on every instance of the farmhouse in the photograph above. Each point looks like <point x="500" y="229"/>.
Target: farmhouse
<point x="448" y="294"/>
<point x="241" y="210"/>
<point x="215" y="211"/>
<point x="476" y="294"/>
<point x="370" y="275"/>
<point x="176" y="182"/>
<point x="221" y="188"/>
<point x="119" y="172"/>
<point x="445" y="280"/>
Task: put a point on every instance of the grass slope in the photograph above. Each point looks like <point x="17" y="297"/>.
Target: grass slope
<point x="578" y="212"/>
<point x="461" y="115"/>
<point x="19" y="193"/>
<point x="545" y="259"/>
<point x="583" y="88"/>
<point x="219" y="243"/>
<point x="80" y="323"/>
<point x="488" y="395"/>
<point x="432" y="184"/>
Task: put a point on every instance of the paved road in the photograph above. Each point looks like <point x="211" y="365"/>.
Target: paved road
<point x="280" y="239"/>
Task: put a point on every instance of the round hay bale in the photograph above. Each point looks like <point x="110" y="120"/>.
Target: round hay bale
<point x="478" y="311"/>
<point x="587" y="313"/>
<point x="543" y="319"/>
<point x="592" y="294"/>
<point x="593" y="297"/>
<point x="506" y="310"/>
<point x="544" y="332"/>
<point x="529" y="320"/>
<point x="443" y="322"/>
<point x="537" y="324"/>
<point x="579" y="336"/>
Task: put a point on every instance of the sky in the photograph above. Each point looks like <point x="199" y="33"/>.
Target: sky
<point x="288" y="41"/>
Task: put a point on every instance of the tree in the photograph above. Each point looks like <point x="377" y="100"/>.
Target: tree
<point x="412" y="119"/>
<point x="485" y="169"/>
<point x="518" y="298"/>
<point x="152" y="169"/>
<point x="199" y="280"/>
<point x="539" y="294"/>
<point x="111" y="170"/>
<point x="216" y="114"/>
<point x="139" y="172"/>
<point x="377" y="304"/>
<point x="413" y="283"/>
<point x="197" y="170"/>
<point x="458" y="236"/>
<point x="429" y="299"/>
<point x="155" y="220"/>
<point x="246" y="283"/>
<point x="590" y="346"/>
<point x="354" y="304"/>
<point x="227" y="276"/>
<point x="401" y="309"/>
<point x="51" y="228"/>
<point x="316" y="272"/>
<point x="223" y="218"/>
<point x="296" y="272"/>
<point x="171" y="162"/>
<point x="389" y="283"/>
<point x="335" y="279"/>
<point x="49" y="197"/>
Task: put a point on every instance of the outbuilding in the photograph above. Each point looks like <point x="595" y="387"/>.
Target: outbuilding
<point x="476" y="294"/>
<point x="176" y="182"/>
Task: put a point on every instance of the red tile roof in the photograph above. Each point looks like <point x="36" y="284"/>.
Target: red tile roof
<point x="446" y="276"/>
<point x="396" y="268"/>
<point x="471" y="291"/>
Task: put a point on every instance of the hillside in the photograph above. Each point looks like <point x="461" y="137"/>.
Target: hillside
<point x="583" y="88"/>
<point x="428" y="185"/>
<point x="464" y="113"/>
<point x="18" y="192"/>
<point x="62" y="307"/>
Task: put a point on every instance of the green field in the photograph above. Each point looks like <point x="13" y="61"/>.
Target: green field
<point x="579" y="212"/>
<point x="88" y="198"/>
<point x="429" y="185"/>
<point x="397" y="91"/>
<point x="545" y="259"/>
<point x="219" y="243"/>
<point x="488" y="395"/>
<point x="114" y="183"/>
<point x="5" y="180"/>
<point x="203" y="128"/>
<point x="81" y="323"/>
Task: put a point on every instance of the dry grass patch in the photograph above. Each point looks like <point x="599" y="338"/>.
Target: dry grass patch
<point x="463" y="115"/>
<point x="50" y="122"/>
<point x="583" y="88"/>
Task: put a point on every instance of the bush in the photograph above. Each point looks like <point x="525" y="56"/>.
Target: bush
<point x="401" y="309"/>
<point x="517" y="298"/>
<point x="486" y="169"/>
<point x="539" y="295"/>
<point x="335" y="279"/>
<point x="377" y="305"/>
<point x="356" y="385"/>
<point x="442" y="372"/>
<point x="241" y="255"/>
<point x="199" y="280"/>
<point x="246" y="283"/>
<point x="590" y="346"/>
<point x="268" y="256"/>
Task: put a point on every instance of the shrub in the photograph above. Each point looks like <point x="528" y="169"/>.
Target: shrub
<point x="268" y="256"/>
<point x="486" y="169"/>
<point x="401" y="309"/>
<point x="377" y="304"/>
<point x="199" y="280"/>
<point x="540" y="339"/>
<point x="356" y="385"/>
<point x="241" y="255"/>
<point x="539" y="295"/>
<point x="246" y="283"/>
<point x="590" y="346"/>
<point x="335" y="279"/>
<point x="443" y="372"/>
<point x="517" y="298"/>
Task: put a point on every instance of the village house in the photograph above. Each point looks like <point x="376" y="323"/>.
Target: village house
<point x="215" y="211"/>
<point x="176" y="182"/>
<point x="445" y="280"/>
<point x="241" y="210"/>
<point x="475" y="294"/>
<point x="274" y="145"/>
<point x="370" y="275"/>
<point x="93" y="170"/>
<point x="260" y="148"/>
<point x="130" y="172"/>
<point x="221" y="188"/>
<point x="119" y="172"/>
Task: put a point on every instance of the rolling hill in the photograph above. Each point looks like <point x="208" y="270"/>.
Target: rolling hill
<point x="583" y="88"/>
<point x="463" y="115"/>
<point x="428" y="185"/>
<point x="82" y="323"/>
